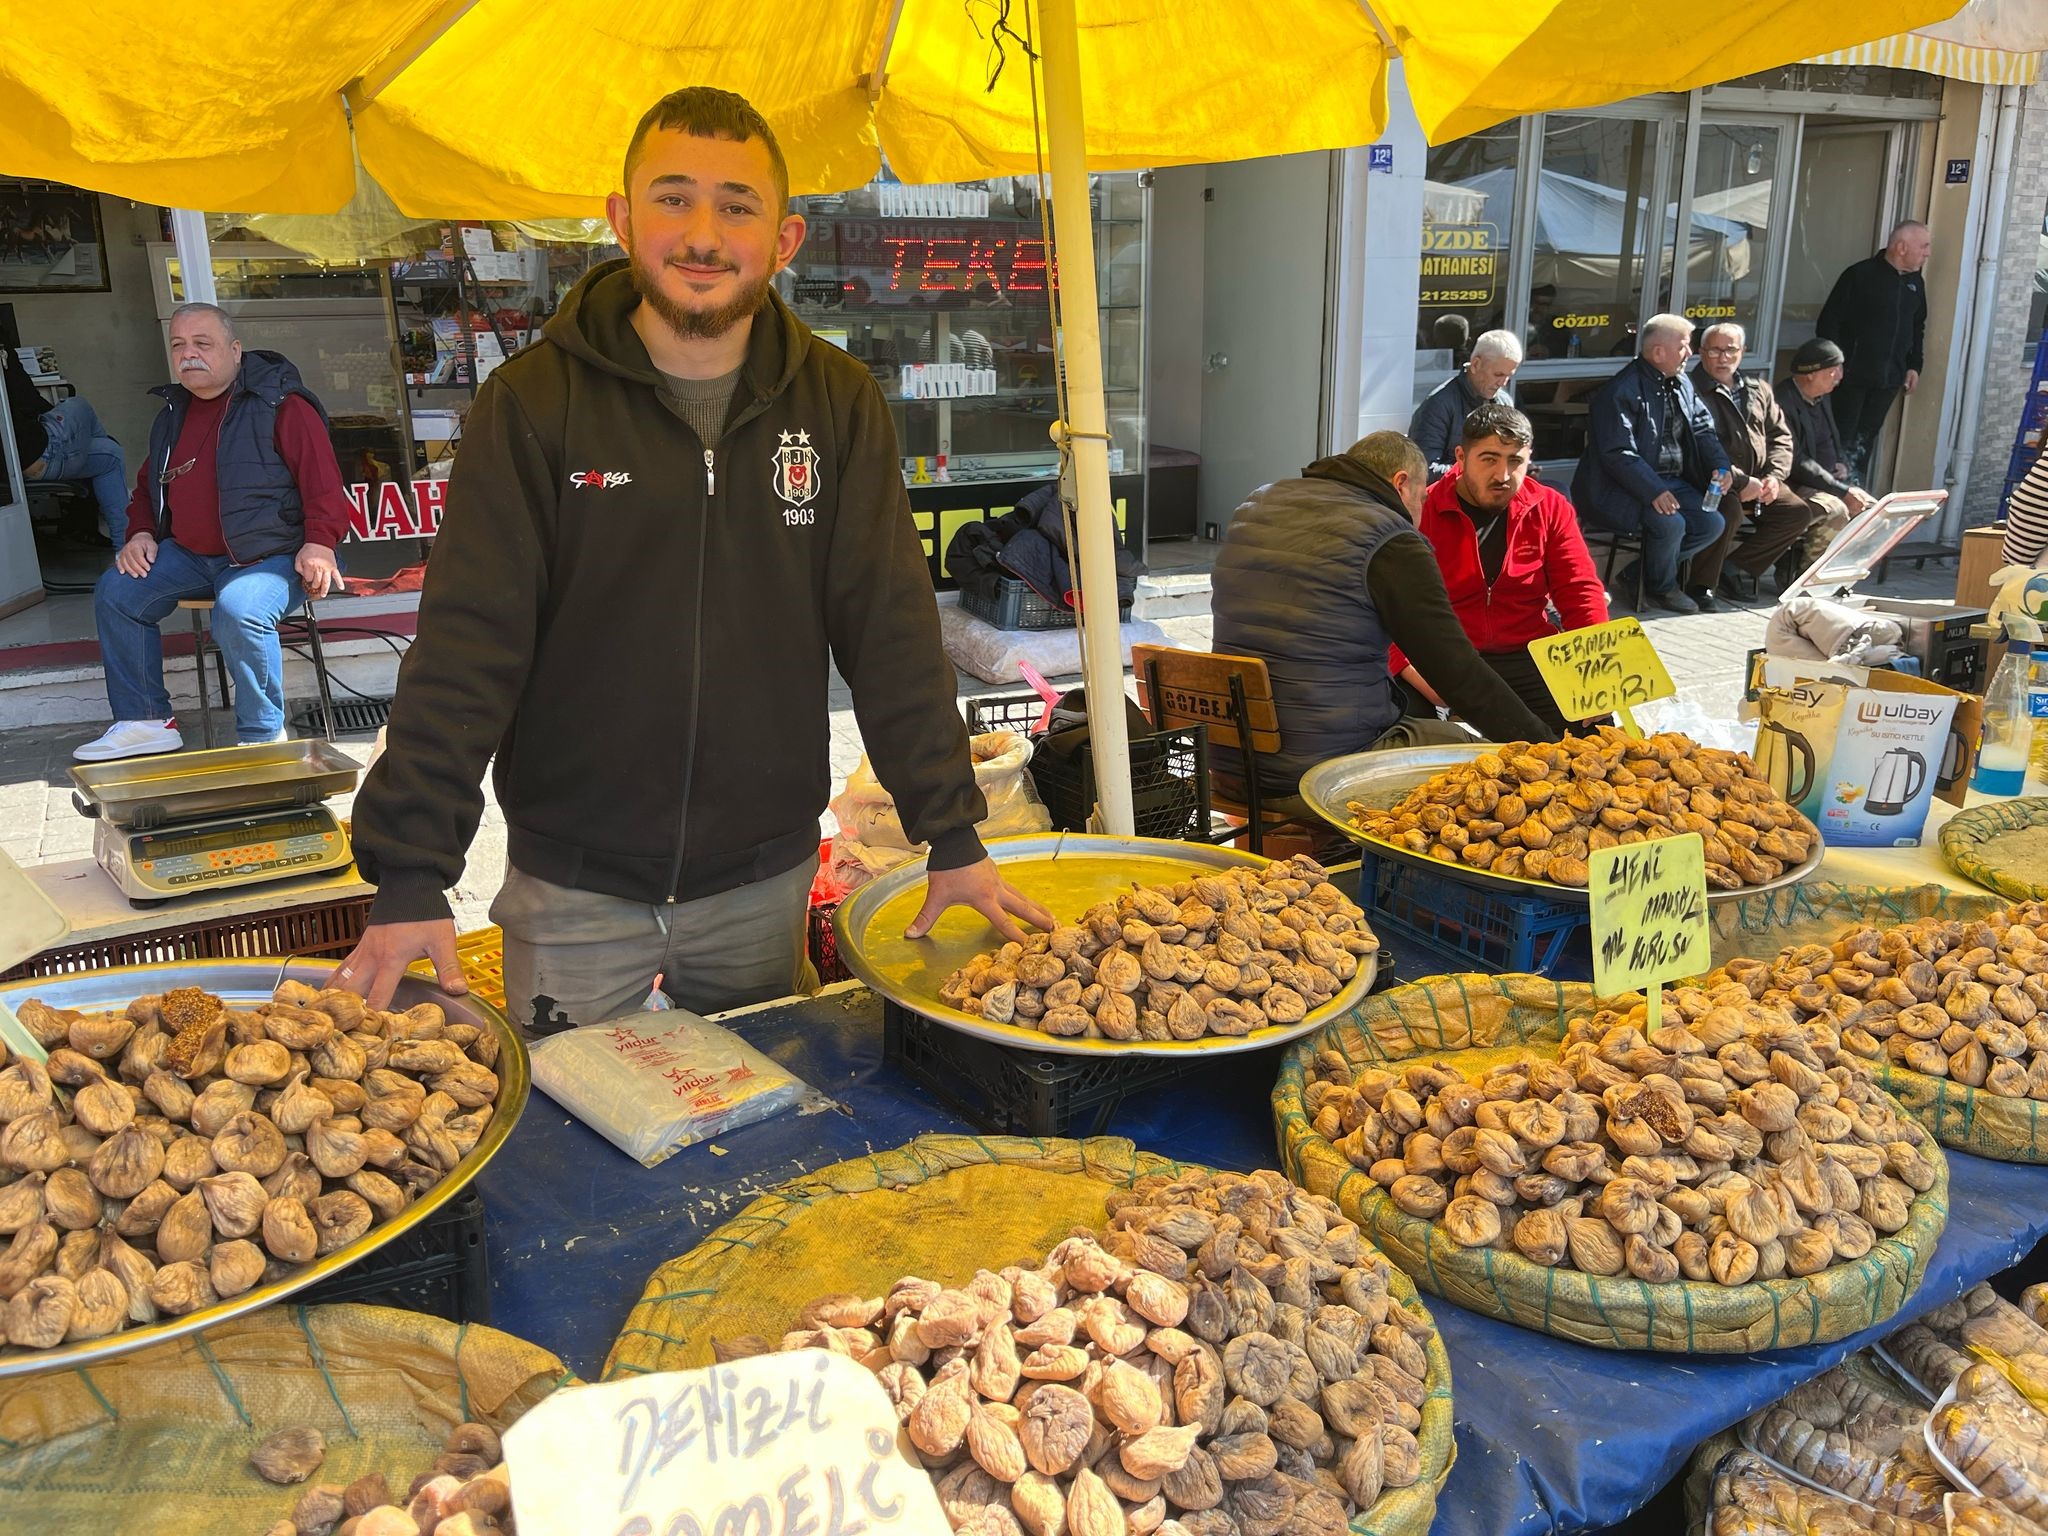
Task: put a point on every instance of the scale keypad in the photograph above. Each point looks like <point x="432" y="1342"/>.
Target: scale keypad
<point x="227" y="863"/>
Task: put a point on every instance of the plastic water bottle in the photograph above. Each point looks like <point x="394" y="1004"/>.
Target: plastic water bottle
<point x="1716" y="489"/>
<point x="2008" y="732"/>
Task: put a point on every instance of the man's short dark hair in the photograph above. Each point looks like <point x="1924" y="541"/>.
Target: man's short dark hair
<point x="1492" y="419"/>
<point x="705" y="112"/>
<point x="1387" y="454"/>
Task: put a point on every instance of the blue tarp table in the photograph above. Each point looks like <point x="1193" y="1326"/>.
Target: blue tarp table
<point x="1552" y="1437"/>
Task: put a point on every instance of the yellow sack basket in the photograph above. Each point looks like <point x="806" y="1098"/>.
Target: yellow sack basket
<point x="1476" y="1022"/>
<point x="942" y="1207"/>
<point x="159" y="1440"/>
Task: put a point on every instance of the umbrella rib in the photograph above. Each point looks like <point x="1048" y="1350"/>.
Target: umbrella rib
<point x="367" y="88"/>
<point x="877" y="76"/>
<point x="1378" y="26"/>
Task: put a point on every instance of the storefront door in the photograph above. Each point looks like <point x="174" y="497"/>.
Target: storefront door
<point x="1741" y="207"/>
<point x="1842" y="205"/>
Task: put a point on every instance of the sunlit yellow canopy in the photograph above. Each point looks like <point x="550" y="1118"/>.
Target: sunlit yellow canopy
<point x="519" y="108"/>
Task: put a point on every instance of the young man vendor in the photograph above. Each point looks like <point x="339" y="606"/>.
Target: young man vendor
<point x="668" y="520"/>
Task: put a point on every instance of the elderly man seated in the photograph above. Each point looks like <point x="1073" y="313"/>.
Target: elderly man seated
<point x="1438" y="424"/>
<point x="240" y="501"/>
<point x="1651" y="455"/>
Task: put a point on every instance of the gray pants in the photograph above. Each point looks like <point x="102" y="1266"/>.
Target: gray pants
<point x="579" y="957"/>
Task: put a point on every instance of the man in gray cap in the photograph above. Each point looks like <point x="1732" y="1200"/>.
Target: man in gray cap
<point x="1820" y="468"/>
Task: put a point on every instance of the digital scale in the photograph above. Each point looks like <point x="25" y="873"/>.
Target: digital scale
<point x="190" y="822"/>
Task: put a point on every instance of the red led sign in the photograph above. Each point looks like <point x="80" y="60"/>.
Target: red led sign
<point x="957" y="264"/>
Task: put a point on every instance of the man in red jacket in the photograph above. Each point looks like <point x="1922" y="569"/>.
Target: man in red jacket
<point x="1511" y="551"/>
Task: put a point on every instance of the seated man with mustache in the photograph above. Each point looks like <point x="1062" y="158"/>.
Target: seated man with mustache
<point x="1511" y="552"/>
<point x="240" y="501"/>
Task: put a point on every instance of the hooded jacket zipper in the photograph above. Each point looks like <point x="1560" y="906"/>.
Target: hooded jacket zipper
<point x="675" y="873"/>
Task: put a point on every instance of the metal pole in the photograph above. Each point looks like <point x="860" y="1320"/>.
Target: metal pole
<point x="195" y="255"/>
<point x="1080" y="354"/>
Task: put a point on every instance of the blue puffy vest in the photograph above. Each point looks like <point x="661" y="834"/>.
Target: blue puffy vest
<point x="261" y="513"/>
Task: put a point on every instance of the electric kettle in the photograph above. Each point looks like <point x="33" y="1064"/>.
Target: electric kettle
<point x="1786" y="758"/>
<point x="1900" y="775"/>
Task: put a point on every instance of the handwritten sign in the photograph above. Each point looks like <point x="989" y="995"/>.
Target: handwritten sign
<point x="798" y="1444"/>
<point x="1604" y="669"/>
<point x="1649" y="915"/>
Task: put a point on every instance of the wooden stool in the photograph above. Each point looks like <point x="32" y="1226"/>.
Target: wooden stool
<point x="302" y="625"/>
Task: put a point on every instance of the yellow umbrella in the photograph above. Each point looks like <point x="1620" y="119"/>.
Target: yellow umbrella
<point x="520" y="109"/>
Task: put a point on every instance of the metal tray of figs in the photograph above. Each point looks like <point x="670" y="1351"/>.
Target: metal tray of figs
<point x="248" y="982"/>
<point x="1067" y="872"/>
<point x="1382" y="778"/>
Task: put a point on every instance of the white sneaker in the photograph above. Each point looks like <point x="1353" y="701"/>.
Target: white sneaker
<point x="132" y="738"/>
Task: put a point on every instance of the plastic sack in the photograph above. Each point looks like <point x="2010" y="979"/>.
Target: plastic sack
<point x="1753" y="1497"/>
<point x="1690" y="719"/>
<point x="654" y="1083"/>
<point x="871" y="840"/>
<point x="1970" y="1515"/>
<point x="1990" y="1441"/>
<point x="992" y="654"/>
<point x="1842" y="1433"/>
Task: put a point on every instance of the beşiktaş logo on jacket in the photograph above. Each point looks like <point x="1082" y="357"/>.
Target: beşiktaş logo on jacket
<point x="599" y="479"/>
<point x="796" y="469"/>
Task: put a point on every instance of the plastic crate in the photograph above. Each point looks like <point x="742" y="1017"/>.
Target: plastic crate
<point x="440" y="1267"/>
<point x="305" y="932"/>
<point x="823" y="944"/>
<point x="1439" y="922"/>
<point x="1169" y="785"/>
<point x="1004" y="711"/>
<point x="1014" y="1090"/>
<point x="1008" y="603"/>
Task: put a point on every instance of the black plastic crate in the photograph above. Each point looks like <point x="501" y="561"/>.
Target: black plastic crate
<point x="1007" y="1089"/>
<point x="823" y="944"/>
<point x="1004" y="711"/>
<point x="1008" y="603"/>
<point x="1169" y="785"/>
<point x="439" y="1267"/>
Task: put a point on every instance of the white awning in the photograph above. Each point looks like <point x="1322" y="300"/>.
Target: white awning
<point x="1987" y="42"/>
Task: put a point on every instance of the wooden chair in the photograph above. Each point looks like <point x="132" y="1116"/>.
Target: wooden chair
<point x="1232" y="696"/>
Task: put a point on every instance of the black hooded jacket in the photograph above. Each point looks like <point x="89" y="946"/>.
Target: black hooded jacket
<point x="641" y="627"/>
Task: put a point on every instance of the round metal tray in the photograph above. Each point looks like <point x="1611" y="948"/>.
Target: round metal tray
<point x="248" y="982"/>
<point x="1067" y="872"/>
<point x="1382" y="778"/>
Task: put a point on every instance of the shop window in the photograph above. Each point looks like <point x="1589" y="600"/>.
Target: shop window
<point x="1871" y="81"/>
<point x="1726" y="255"/>
<point x="1594" y="235"/>
<point x="1468" y="219"/>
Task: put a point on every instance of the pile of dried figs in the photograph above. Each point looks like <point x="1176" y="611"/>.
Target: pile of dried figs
<point x="1225" y="1358"/>
<point x="1224" y="953"/>
<point x="182" y="1150"/>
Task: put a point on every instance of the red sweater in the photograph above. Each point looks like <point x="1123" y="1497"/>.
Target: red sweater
<point x="194" y="496"/>
<point x="1546" y="563"/>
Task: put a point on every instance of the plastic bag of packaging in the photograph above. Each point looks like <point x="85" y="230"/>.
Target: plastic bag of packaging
<point x="654" y="1083"/>
<point x="2000" y="1334"/>
<point x="2034" y="1302"/>
<point x="1924" y="1357"/>
<point x="871" y="840"/>
<point x="1990" y="1441"/>
<point x="1752" y="1497"/>
<point x="1690" y="719"/>
<point x="1856" y="1459"/>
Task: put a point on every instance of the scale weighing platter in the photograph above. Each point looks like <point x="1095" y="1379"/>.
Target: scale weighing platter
<point x="222" y="854"/>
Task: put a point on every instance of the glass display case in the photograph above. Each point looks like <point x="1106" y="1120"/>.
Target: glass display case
<point x="943" y="293"/>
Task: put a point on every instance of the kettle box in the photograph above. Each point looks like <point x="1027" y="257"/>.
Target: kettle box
<point x="1863" y="752"/>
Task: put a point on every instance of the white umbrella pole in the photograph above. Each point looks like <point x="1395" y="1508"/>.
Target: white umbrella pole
<point x="1102" y="666"/>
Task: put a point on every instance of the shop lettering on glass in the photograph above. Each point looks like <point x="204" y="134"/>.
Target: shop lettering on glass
<point x="383" y="511"/>
<point x="797" y="1444"/>
<point x="1460" y="264"/>
<point x="1603" y="669"/>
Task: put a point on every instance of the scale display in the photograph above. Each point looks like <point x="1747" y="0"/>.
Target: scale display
<point x="236" y="851"/>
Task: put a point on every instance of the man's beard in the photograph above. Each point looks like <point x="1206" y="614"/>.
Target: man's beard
<point x="696" y="324"/>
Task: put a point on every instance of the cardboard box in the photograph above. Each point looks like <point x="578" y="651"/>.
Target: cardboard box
<point x="1863" y="752"/>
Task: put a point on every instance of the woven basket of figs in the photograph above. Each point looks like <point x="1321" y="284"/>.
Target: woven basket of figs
<point x="1530" y="812"/>
<point x="1731" y="1179"/>
<point x="1951" y="1014"/>
<point x="203" y="1138"/>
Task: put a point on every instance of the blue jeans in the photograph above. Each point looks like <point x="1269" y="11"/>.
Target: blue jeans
<point x="248" y="602"/>
<point x="1670" y="539"/>
<point x="80" y="449"/>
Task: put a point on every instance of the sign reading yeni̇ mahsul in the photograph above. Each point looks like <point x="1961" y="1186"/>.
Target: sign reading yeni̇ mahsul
<point x="797" y="1444"/>
<point x="1649" y="916"/>
<point x="1603" y="669"/>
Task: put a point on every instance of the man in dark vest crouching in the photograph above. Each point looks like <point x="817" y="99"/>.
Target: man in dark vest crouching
<point x="240" y="501"/>
<point x="1320" y="577"/>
